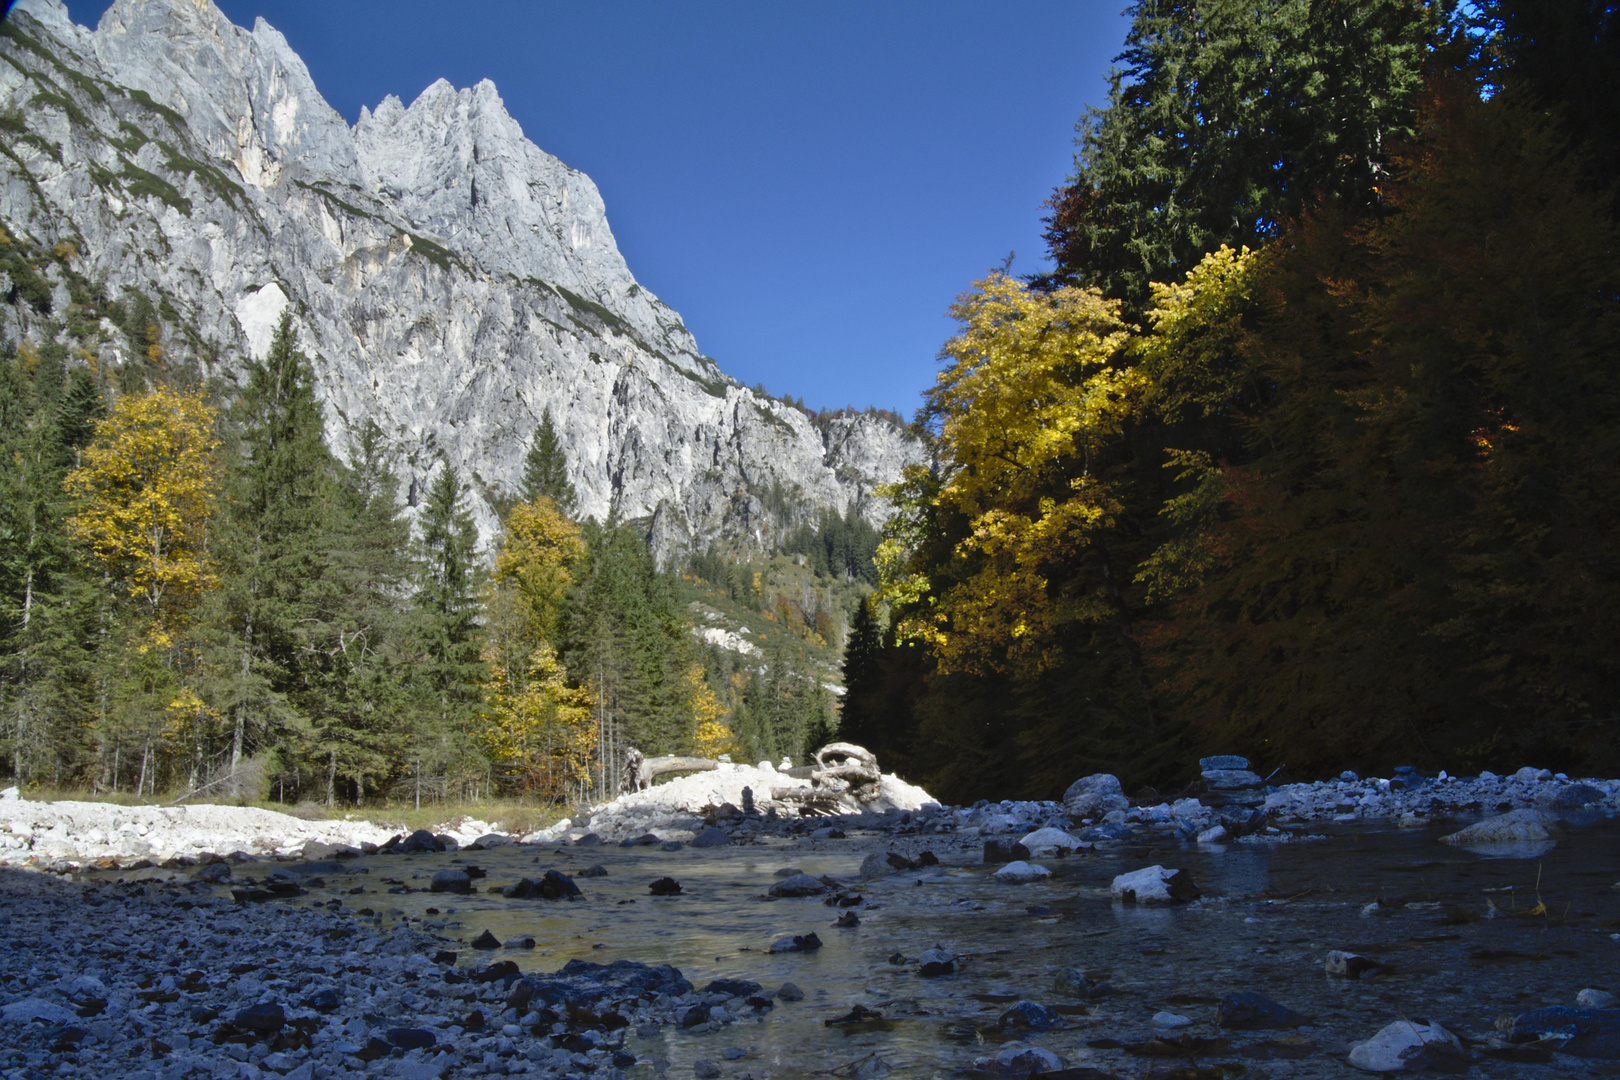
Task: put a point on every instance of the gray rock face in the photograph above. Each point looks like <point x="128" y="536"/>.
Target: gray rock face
<point x="450" y="280"/>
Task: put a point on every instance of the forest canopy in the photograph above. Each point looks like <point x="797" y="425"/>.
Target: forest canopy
<point x="1305" y="448"/>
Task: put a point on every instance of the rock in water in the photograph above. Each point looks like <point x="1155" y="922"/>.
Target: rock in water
<point x="1021" y="873"/>
<point x="876" y="865"/>
<point x="1094" y="796"/>
<point x="1028" y="1016"/>
<point x="1516" y="826"/>
<point x="799" y="885"/>
<point x="790" y="992"/>
<point x="712" y="836"/>
<point x="1596" y="999"/>
<point x="935" y="962"/>
<point x="1046" y="842"/>
<point x="665" y="886"/>
<point x="1408" y="1046"/>
<point x="1247" y="1010"/>
<point x="1347" y="965"/>
<point x="1155" y="885"/>
<point x="797" y="943"/>
<point x="1587" y="1033"/>
<point x="1000" y="851"/>
<point x="451" y="881"/>
<point x="486" y="940"/>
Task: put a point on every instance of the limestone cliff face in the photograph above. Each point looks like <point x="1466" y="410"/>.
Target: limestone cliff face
<point x="449" y="278"/>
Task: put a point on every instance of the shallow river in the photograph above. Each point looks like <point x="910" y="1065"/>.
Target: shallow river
<point x="1453" y="928"/>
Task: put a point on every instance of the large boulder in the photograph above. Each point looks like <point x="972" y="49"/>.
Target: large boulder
<point x="1094" y="796"/>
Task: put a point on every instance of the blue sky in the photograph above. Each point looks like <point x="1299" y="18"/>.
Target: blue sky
<point x="808" y="184"/>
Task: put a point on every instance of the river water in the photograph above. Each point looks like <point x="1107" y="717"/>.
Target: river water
<point x="1464" y="939"/>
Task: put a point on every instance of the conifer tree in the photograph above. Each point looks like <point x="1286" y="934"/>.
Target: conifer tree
<point x="450" y="673"/>
<point x="545" y="468"/>
<point x="274" y="545"/>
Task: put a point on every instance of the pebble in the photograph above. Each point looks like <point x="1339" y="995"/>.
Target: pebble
<point x="1170" y="1020"/>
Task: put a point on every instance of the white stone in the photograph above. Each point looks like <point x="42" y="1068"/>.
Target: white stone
<point x="1392" y="1048"/>
<point x="1170" y="1020"/>
<point x="1214" y="835"/>
<point x="1592" y="998"/>
<point x="1021" y="873"/>
<point x="1150" y="885"/>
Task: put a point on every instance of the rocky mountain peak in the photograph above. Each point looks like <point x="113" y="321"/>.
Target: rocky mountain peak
<point x="450" y="279"/>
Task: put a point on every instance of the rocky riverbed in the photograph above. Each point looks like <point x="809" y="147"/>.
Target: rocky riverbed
<point x="889" y="943"/>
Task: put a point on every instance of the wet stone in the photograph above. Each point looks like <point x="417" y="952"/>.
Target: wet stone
<point x="1028" y="1016"/>
<point x="935" y="962"/>
<point x="486" y="940"/>
<point x="665" y="886"/>
<point x="1248" y="1011"/>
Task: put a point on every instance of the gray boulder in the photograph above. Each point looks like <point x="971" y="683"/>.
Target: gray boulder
<point x="1408" y="1046"/>
<point x="1094" y="796"/>
<point x="1515" y="826"/>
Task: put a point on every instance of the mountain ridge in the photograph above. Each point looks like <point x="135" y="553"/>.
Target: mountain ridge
<point x="449" y="278"/>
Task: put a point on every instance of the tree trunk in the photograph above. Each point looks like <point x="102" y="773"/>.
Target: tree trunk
<point x="331" y="778"/>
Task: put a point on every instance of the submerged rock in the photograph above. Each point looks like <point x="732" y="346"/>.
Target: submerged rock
<point x="1247" y="1011"/>
<point x="936" y="962"/>
<point x="1516" y="826"/>
<point x="1044" y="842"/>
<point x="1587" y="1033"/>
<point x="799" y="885"/>
<point x="1028" y="1016"/>
<point x="1021" y="873"/>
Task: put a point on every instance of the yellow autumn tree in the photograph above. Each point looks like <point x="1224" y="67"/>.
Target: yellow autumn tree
<point x="711" y="736"/>
<point x="539" y="728"/>
<point x="996" y="549"/>
<point x="147" y="487"/>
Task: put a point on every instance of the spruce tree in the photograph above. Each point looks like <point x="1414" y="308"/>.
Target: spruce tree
<point x="273" y="545"/>
<point x="449" y="675"/>
<point x="545" y="468"/>
<point x="862" y="654"/>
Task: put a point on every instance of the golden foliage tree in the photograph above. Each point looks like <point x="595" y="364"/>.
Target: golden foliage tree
<point x="982" y="558"/>
<point x="147" y="487"/>
<point x="711" y="736"/>
<point x="538" y="726"/>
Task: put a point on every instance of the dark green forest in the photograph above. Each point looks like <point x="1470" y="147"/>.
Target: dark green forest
<point x="1310" y="449"/>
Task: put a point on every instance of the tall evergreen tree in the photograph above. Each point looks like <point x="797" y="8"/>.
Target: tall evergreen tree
<point x="450" y="673"/>
<point x="273" y="546"/>
<point x="545" y="468"/>
<point x="1229" y="119"/>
